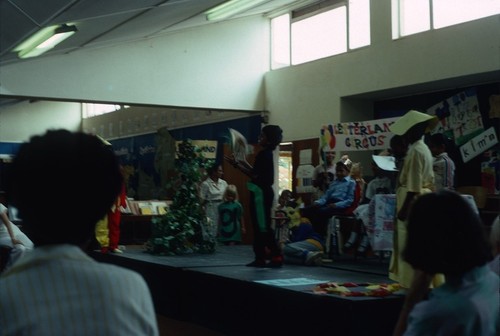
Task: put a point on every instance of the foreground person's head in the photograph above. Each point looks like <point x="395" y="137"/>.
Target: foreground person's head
<point x="62" y="183"/>
<point x="445" y="235"/>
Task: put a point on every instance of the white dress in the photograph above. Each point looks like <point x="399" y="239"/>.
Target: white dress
<point x="18" y="250"/>
<point x="18" y="234"/>
<point x="211" y="193"/>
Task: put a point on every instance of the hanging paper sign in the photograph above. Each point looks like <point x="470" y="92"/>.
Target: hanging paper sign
<point x="459" y="116"/>
<point x="358" y="135"/>
<point x="479" y="144"/>
<point x="208" y="147"/>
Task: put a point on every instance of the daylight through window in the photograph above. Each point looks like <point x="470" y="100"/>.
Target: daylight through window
<point x="414" y="16"/>
<point x="324" y="29"/>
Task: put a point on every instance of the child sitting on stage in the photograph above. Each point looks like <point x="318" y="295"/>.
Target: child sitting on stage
<point x="280" y="217"/>
<point x="304" y="245"/>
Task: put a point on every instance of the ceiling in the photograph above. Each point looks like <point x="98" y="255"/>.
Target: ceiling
<point x="102" y="23"/>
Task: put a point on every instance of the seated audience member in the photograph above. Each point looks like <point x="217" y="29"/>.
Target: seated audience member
<point x="304" y="246"/>
<point x="57" y="289"/>
<point x="380" y="184"/>
<point x="336" y="200"/>
<point x="467" y="304"/>
<point x="443" y="165"/>
<point x="11" y="236"/>
<point x="357" y="176"/>
<point x="324" y="173"/>
<point x="280" y="217"/>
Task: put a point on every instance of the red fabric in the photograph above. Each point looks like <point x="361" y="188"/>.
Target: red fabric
<point x="114" y="218"/>
<point x="355" y="203"/>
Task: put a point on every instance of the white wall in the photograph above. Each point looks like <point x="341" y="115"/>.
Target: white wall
<point x="20" y="121"/>
<point x="304" y="97"/>
<point x="219" y="66"/>
<point x="223" y="66"/>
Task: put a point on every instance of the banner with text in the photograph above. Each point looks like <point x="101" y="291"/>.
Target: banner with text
<point x="357" y="135"/>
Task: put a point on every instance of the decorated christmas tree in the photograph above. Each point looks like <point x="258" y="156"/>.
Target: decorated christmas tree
<point x="183" y="228"/>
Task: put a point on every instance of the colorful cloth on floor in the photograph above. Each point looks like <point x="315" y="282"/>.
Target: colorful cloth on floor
<point x="357" y="289"/>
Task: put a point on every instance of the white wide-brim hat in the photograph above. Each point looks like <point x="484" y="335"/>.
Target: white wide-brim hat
<point x="385" y="162"/>
<point x="410" y="119"/>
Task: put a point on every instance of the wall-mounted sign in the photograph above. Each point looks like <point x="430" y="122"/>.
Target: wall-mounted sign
<point x="479" y="144"/>
<point x="358" y="135"/>
<point x="208" y="147"/>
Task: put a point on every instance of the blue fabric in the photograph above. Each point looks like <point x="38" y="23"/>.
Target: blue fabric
<point x="305" y="231"/>
<point x="340" y="192"/>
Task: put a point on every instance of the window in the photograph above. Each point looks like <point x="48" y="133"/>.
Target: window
<point x="319" y="36"/>
<point x="324" y="29"/>
<point x="92" y="110"/>
<point x="285" y="167"/>
<point x="414" y="16"/>
<point x="280" y="41"/>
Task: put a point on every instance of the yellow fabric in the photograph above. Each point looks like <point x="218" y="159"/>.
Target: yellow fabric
<point x="416" y="176"/>
<point x="410" y="119"/>
<point x="315" y="243"/>
<point x="417" y="173"/>
<point x="102" y="232"/>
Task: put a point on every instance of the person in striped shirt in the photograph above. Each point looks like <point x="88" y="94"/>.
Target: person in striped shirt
<point x="62" y="183"/>
<point x="443" y="165"/>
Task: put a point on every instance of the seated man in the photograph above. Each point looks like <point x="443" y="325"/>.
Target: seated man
<point x="380" y="184"/>
<point x="337" y="199"/>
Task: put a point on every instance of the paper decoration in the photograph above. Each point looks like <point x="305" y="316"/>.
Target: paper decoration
<point x="239" y="145"/>
<point x="387" y="163"/>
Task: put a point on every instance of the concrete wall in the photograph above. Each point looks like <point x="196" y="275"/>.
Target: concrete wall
<point x="219" y="66"/>
<point x="20" y="121"/>
<point x="226" y="66"/>
<point x="342" y="88"/>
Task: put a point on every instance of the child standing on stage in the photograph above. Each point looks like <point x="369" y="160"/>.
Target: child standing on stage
<point x="262" y="196"/>
<point x="443" y="165"/>
<point x="231" y="217"/>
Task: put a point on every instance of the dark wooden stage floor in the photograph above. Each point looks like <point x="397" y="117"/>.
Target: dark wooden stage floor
<point x="217" y="291"/>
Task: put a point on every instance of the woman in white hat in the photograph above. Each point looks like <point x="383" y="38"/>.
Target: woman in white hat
<point x="416" y="177"/>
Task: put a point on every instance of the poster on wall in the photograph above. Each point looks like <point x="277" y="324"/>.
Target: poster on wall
<point x="137" y="156"/>
<point x="357" y="135"/>
<point x="208" y="147"/>
<point x="459" y="116"/>
<point x="305" y="172"/>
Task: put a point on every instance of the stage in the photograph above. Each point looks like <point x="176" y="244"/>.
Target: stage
<point x="219" y="292"/>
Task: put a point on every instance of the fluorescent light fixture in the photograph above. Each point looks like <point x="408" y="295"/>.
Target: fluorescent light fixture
<point x="44" y="40"/>
<point x="230" y="8"/>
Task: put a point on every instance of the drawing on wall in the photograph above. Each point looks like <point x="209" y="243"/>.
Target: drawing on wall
<point x="459" y="116"/>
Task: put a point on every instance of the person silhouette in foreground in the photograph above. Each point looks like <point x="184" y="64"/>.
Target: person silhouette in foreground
<point x="62" y="183"/>
<point x="446" y="235"/>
